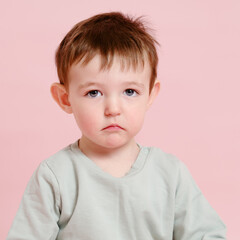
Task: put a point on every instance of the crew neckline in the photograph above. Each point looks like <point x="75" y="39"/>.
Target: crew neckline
<point x="135" y="168"/>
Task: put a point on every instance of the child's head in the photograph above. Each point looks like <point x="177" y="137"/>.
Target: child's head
<point x="107" y="71"/>
<point x="109" y="35"/>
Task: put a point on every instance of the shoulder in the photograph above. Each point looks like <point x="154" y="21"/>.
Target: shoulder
<point x="61" y="158"/>
<point x="168" y="165"/>
<point x="48" y="172"/>
<point x="171" y="169"/>
<point x="163" y="160"/>
<point x="61" y="163"/>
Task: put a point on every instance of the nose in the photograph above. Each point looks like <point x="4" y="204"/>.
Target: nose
<point x="112" y="107"/>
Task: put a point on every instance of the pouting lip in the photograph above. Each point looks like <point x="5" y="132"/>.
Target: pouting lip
<point x="112" y="126"/>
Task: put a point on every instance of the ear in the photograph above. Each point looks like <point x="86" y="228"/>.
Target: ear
<point x="60" y="95"/>
<point x="154" y="93"/>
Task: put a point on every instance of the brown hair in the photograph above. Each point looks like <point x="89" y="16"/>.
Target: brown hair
<point x="107" y="34"/>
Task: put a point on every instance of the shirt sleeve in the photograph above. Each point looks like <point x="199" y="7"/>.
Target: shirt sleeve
<point x="39" y="211"/>
<point x="194" y="217"/>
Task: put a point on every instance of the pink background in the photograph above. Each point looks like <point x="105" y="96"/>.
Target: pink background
<point x="196" y="116"/>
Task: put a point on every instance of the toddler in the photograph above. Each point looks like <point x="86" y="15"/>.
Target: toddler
<point x="105" y="186"/>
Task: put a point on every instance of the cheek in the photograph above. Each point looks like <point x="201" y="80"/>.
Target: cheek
<point x="86" y="119"/>
<point x="136" y="117"/>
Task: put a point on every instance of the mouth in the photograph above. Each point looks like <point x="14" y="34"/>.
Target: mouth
<point x="113" y="127"/>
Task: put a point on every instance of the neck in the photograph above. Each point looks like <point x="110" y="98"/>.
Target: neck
<point x="95" y="151"/>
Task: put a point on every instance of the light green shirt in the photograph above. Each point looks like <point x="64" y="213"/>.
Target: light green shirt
<point x="70" y="198"/>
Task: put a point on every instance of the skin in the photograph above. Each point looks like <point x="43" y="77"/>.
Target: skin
<point x="109" y="107"/>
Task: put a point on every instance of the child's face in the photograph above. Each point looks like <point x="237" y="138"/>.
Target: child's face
<point x="109" y="105"/>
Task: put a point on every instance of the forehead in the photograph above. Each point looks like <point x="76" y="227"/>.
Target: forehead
<point x="119" y="68"/>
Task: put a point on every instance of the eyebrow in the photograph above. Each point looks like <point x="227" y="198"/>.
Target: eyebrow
<point x="141" y="85"/>
<point x="89" y="84"/>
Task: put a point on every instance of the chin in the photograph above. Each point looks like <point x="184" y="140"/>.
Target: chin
<point x="114" y="143"/>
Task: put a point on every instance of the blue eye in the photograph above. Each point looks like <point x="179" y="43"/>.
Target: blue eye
<point x="130" y="92"/>
<point x="93" y="93"/>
